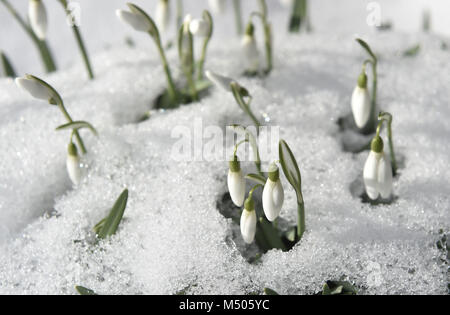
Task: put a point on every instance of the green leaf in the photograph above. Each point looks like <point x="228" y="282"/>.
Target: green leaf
<point x="291" y="234"/>
<point x="412" y="52"/>
<point x="338" y="288"/>
<point x="112" y="221"/>
<point x="7" y="66"/>
<point x="289" y="166"/>
<point x="84" y="291"/>
<point x="366" y="47"/>
<point x="76" y="125"/>
<point x="256" y="178"/>
<point x="269" y="291"/>
<point x="99" y="225"/>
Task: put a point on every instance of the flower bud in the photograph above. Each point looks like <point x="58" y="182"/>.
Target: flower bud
<point x="219" y="80"/>
<point x="199" y="27"/>
<point x="250" y="49"/>
<point x="361" y="102"/>
<point x="136" y="19"/>
<point x="73" y="164"/>
<point x="236" y="182"/>
<point x="248" y="221"/>
<point x="38" y="18"/>
<point x="273" y="194"/>
<point x="37" y="88"/>
<point x="162" y="16"/>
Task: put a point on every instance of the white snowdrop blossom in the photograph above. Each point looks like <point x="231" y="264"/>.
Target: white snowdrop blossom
<point x="219" y="80"/>
<point x="35" y="87"/>
<point x="287" y="3"/>
<point x="248" y="221"/>
<point x="199" y="27"/>
<point x="73" y="164"/>
<point x="135" y="19"/>
<point x="38" y="18"/>
<point x="236" y="182"/>
<point x="162" y="16"/>
<point x="250" y="49"/>
<point x="217" y="6"/>
<point x="377" y="172"/>
<point x="361" y="105"/>
<point x="273" y="194"/>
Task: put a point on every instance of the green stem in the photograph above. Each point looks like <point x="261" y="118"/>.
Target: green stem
<point x="201" y="63"/>
<point x="179" y="19"/>
<point x="61" y="106"/>
<point x="238" y="16"/>
<point x="80" y="42"/>
<point x="170" y="85"/>
<point x="42" y="46"/>
<point x="391" y="149"/>
<point x="267" y="35"/>
<point x="300" y="217"/>
<point x="374" y="92"/>
<point x="245" y="106"/>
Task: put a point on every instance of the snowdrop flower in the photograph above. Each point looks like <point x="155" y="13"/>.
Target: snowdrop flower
<point x="248" y="221"/>
<point x="38" y="18"/>
<point x="199" y="27"/>
<point x="287" y="3"/>
<point x="217" y="6"/>
<point x="219" y="80"/>
<point x="273" y="194"/>
<point x="136" y="18"/>
<point x="250" y="48"/>
<point x="361" y="105"/>
<point x="236" y="182"/>
<point x="73" y="164"/>
<point x="162" y="15"/>
<point x="377" y="171"/>
<point x="37" y="88"/>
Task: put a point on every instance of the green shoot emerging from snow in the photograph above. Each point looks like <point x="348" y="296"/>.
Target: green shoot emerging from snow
<point x="109" y="225"/>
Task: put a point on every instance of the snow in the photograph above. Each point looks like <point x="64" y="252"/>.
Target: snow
<point x="172" y="237"/>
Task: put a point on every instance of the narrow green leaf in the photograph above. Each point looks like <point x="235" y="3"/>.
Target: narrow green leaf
<point x="115" y="216"/>
<point x="76" y="125"/>
<point x="289" y="166"/>
<point x="7" y="66"/>
<point x="412" y="52"/>
<point x="338" y="288"/>
<point x="256" y="178"/>
<point x="84" y="291"/>
<point x="99" y="225"/>
<point x="366" y="47"/>
<point x="269" y="291"/>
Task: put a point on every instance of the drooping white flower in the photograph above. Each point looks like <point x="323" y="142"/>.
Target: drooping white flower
<point x="377" y="172"/>
<point x="73" y="164"/>
<point x="162" y="16"/>
<point x="38" y="18"/>
<point x="37" y="88"/>
<point x="287" y="3"/>
<point x="135" y="18"/>
<point x="236" y="182"/>
<point x="248" y="221"/>
<point x="219" y="80"/>
<point x="199" y="27"/>
<point x="217" y="6"/>
<point x="361" y="106"/>
<point x="250" y="49"/>
<point x="273" y="194"/>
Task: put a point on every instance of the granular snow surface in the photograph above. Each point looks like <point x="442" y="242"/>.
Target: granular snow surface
<point x="172" y="237"/>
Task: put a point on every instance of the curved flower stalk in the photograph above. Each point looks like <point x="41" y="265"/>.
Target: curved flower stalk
<point x="203" y="28"/>
<point x="79" y="39"/>
<point x="248" y="218"/>
<point x="267" y="27"/>
<point x="273" y="194"/>
<point x="73" y="163"/>
<point x="217" y="6"/>
<point x="142" y="22"/>
<point x="37" y="15"/>
<point x="42" y="90"/>
<point x="41" y="45"/>
<point x="250" y="50"/>
<point x="163" y="15"/>
<point x="361" y="105"/>
<point x="387" y="117"/>
<point x="370" y="125"/>
<point x="377" y="171"/>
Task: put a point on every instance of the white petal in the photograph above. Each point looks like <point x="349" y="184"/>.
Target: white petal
<point x="272" y="198"/>
<point x="371" y="175"/>
<point x="360" y="106"/>
<point x="248" y="225"/>
<point x="35" y="88"/>
<point x="199" y="28"/>
<point x="136" y="21"/>
<point x="38" y="18"/>
<point x="219" y="80"/>
<point x="73" y="168"/>
<point x="251" y="53"/>
<point x="287" y="3"/>
<point x="162" y="15"/>
<point x="217" y="6"/>
<point x="385" y="177"/>
<point x="236" y="187"/>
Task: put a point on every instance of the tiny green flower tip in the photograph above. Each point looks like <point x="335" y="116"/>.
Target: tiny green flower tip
<point x="250" y="29"/>
<point x="377" y="144"/>
<point x="274" y="172"/>
<point x="249" y="204"/>
<point x="72" y="149"/>
<point x="235" y="165"/>
<point x="362" y="80"/>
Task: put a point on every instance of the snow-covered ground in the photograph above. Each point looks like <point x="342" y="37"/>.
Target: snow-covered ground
<point x="173" y="237"/>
